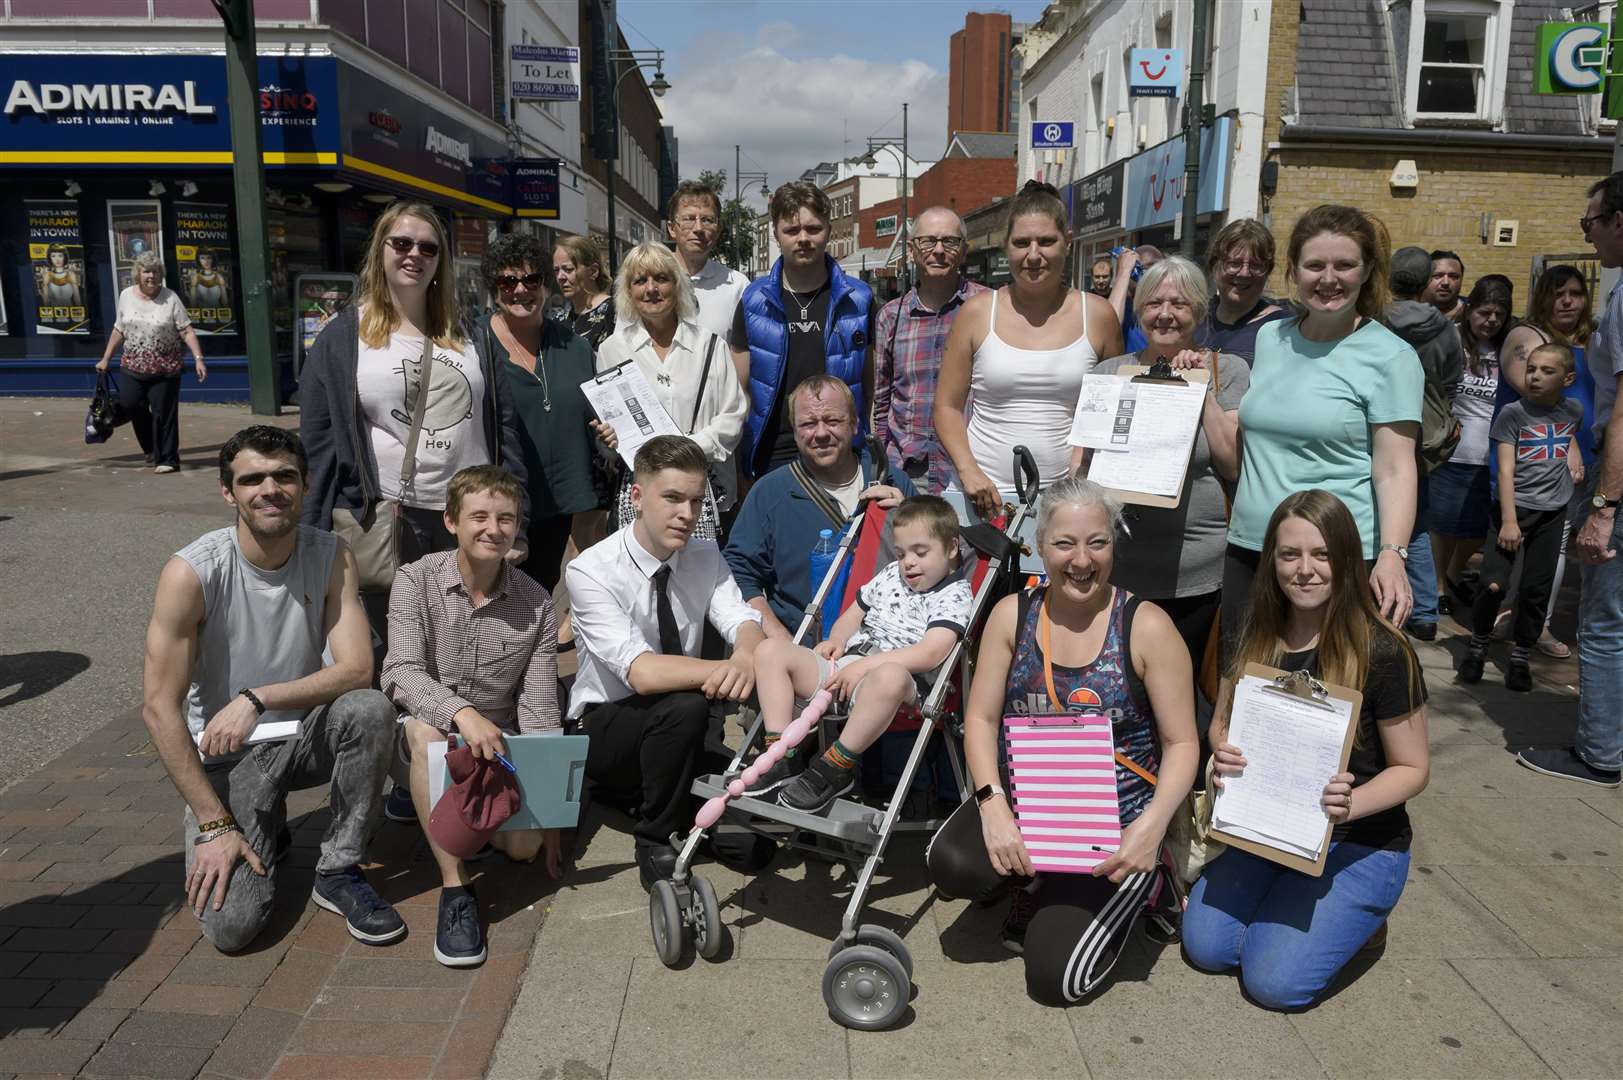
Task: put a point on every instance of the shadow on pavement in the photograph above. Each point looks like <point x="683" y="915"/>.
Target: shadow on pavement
<point x="36" y="673"/>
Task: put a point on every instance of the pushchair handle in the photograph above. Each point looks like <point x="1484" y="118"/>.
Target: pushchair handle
<point x="1026" y="476"/>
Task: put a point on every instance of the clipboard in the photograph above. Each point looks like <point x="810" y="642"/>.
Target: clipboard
<point x="630" y="407"/>
<point x="551" y="771"/>
<point x="1062" y="779"/>
<point x="1303" y="686"/>
<point x="1160" y="372"/>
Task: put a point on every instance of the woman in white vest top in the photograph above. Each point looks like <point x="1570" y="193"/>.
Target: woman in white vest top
<point x="1015" y="358"/>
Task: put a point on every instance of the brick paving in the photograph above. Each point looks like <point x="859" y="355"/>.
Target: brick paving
<point x="103" y="971"/>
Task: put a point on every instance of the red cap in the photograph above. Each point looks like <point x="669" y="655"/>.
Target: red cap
<point x="482" y="795"/>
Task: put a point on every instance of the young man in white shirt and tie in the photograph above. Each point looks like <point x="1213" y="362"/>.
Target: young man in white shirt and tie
<point x="640" y="601"/>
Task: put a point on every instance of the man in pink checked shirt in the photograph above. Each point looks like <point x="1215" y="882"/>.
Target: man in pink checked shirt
<point x="910" y="336"/>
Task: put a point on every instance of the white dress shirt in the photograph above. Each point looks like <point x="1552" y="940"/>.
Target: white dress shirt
<point x="616" y="614"/>
<point x="718" y="290"/>
<point x="675" y="379"/>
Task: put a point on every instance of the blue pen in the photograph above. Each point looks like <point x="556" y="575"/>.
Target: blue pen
<point x="508" y="765"/>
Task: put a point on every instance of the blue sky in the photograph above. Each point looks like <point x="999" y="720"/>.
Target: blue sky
<point x="800" y="82"/>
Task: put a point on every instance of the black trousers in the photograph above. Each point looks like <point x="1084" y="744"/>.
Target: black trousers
<point x="1193" y="616"/>
<point x="153" y="405"/>
<point x="644" y="752"/>
<point x="547" y="537"/>
<point x="1239" y="572"/>
<point x="1540" y="551"/>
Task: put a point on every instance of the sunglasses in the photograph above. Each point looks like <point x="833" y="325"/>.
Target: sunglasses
<point x="403" y="245"/>
<point x="509" y="282"/>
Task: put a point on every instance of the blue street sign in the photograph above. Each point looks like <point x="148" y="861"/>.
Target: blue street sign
<point x="1051" y="135"/>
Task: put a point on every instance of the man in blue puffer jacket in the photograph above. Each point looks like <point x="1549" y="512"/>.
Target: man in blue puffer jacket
<point x="804" y="318"/>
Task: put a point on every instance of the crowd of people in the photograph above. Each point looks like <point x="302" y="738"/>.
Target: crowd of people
<point x="396" y="570"/>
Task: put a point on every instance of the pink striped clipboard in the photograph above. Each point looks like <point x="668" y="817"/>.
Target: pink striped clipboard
<point x="1062" y="771"/>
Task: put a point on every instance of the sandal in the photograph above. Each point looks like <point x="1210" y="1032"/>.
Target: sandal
<point x="1553" y="646"/>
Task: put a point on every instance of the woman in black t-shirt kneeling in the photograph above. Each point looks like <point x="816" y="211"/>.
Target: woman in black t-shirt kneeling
<point x="1290" y="934"/>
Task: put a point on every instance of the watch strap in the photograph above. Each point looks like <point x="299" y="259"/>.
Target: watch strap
<point x="987" y="792"/>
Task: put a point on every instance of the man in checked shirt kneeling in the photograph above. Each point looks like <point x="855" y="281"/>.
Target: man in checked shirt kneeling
<point x="473" y="651"/>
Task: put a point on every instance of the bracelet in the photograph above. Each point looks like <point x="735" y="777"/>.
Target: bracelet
<point x="204" y="837"/>
<point x="253" y="698"/>
<point x="227" y="822"/>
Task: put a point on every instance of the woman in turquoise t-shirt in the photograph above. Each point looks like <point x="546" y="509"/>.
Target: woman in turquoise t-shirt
<point x="1334" y="404"/>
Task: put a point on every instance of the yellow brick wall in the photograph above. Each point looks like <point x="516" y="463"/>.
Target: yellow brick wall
<point x="1544" y="192"/>
<point x="1281" y="74"/>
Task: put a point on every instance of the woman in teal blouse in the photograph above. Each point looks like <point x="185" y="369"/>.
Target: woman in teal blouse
<point x="544" y="363"/>
<point x="1334" y="404"/>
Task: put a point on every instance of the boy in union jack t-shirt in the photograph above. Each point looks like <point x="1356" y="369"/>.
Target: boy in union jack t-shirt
<point x="1536" y="443"/>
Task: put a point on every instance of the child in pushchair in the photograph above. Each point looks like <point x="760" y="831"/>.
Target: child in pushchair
<point x="896" y="636"/>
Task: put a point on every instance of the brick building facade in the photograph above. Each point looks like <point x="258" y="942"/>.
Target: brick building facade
<point x="978" y="74"/>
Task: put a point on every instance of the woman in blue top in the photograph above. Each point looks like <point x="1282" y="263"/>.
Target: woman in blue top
<point x="1097" y="650"/>
<point x="1335" y="404"/>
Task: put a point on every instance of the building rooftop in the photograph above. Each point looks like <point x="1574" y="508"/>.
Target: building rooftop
<point x="983" y="144"/>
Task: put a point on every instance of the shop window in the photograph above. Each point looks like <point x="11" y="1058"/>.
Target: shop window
<point x="1458" y="51"/>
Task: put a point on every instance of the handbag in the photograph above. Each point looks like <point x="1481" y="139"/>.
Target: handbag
<point x="105" y="412"/>
<point x="374" y="536"/>
<point x="708" y="524"/>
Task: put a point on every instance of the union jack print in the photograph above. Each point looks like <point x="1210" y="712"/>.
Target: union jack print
<point x="1545" y="442"/>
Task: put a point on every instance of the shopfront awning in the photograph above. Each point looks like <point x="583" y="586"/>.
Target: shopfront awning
<point x="865" y="259"/>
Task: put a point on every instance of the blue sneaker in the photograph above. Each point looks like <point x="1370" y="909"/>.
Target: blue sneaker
<point x="371" y="919"/>
<point x="460" y="940"/>
<point x="399" y="807"/>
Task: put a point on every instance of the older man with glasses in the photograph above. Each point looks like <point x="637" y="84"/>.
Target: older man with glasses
<point x="910" y="336"/>
<point x="693" y="221"/>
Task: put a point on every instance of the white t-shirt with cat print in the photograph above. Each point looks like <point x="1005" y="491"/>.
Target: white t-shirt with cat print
<point x="453" y="435"/>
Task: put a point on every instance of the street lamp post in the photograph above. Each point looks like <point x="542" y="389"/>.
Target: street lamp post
<point x="636" y="59"/>
<point x="875" y="141"/>
<point x="739" y="176"/>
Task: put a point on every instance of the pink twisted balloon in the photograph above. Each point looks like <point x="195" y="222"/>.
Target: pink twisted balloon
<point x="798" y="729"/>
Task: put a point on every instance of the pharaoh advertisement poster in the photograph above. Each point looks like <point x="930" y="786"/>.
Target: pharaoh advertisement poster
<point x="133" y="228"/>
<point x="56" y="256"/>
<point x="204" y="257"/>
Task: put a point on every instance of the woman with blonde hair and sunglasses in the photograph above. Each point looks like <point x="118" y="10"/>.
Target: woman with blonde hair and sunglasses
<point x="361" y="383"/>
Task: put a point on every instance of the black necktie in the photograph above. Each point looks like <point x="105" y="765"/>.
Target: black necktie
<point x="670" y="639"/>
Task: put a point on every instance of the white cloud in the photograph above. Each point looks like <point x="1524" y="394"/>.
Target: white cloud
<point x="791" y="112"/>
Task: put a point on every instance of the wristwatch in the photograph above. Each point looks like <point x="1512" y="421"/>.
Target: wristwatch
<point x="987" y="792"/>
<point x="1403" y="552"/>
<point x="259" y="706"/>
<point x="1598" y="501"/>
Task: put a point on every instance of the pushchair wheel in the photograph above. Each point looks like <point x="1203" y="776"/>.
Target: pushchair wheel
<point x="665" y="918"/>
<point x="866" y="988"/>
<point x="706" y="914"/>
<point x="879" y="938"/>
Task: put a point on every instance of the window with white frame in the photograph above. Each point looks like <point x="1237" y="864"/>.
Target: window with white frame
<point x="1458" y="54"/>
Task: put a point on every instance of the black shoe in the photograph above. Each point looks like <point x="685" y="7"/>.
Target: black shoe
<point x="819" y="785"/>
<point x="654" y="863"/>
<point x="371" y="919"/>
<point x="1518" y="676"/>
<point x="788" y="767"/>
<point x="1567" y="765"/>
<point x="1422" y="631"/>
<point x="399" y="807"/>
<point x="742" y="852"/>
<point x="1471" y="665"/>
<point x="1445" y="606"/>
<point x="460" y="940"/>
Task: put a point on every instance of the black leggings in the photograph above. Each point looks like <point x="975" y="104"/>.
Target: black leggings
<point x="1540" y="552"/>
<point x="1193" y="616"/>
<point x="1081" y="924"/>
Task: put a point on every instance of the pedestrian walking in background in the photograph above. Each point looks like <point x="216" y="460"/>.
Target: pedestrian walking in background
<point x="578" y="269"/>
<point x="910" y="341"/>
<point x="152" y="328"/>
<point x="1445" y="283"/>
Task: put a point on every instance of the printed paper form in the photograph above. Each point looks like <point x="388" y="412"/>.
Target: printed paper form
<point x="1292" y="748"/>
<point x="1151" y="436"/>
<point x="1096" y="408"/>
<point x="624" y="400"/>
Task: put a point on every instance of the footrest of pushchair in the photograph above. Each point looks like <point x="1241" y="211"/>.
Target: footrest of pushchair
<point x="842" y="820"/>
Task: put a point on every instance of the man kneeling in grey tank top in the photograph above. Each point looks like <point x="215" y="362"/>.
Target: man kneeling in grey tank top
<point x="242" y="618"/>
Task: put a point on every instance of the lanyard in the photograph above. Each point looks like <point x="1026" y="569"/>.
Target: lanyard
<point x="1053" y="695"/>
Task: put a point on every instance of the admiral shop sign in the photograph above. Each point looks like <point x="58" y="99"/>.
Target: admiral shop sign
<point x="144" y="103"/>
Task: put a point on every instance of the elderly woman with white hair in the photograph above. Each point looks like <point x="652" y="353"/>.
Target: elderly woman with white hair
<point x="153" y="328"/>
<point x="690" y="369"/>
<point x="1175" y="556"/>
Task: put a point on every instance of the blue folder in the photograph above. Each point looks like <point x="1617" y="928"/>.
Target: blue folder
<point x="551" y="773"/>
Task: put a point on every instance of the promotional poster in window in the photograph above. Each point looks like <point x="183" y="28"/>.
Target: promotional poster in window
<point x="133" y="229"/>
<point x="56" y="254"/>
<point x="205" y="259"/>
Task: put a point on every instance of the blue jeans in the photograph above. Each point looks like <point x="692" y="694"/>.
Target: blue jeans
<point x="1600" y="654"/>
<point x="1290" y="934"/>
<point x="1420" y="566"/>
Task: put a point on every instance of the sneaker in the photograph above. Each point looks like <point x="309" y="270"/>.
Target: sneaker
<point x="399" y="807"/>
<point x="1472" y="665"/>
<point x="1518" y="676"/>
<point x="1022" y="906"/>
<point x="347" y="892"/>
<point x="814" y="789"/>
<point x="1567" y="765"/>
<point x="1422" y="631"/>
<point x="459" y="940"/>
<point x="161" y="469"/>
<point x="788" y="767"/>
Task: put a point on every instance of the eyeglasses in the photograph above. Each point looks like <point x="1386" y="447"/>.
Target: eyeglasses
<point x="1240" y="266"/>
<point x="928" y="243"/>
<point x="403" y="245"/>
<point x="692" y="222"/>
<point x="509" y="282"/>
<point x="1587" y="223"/>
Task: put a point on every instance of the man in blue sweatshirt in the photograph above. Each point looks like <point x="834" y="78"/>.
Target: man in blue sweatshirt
<point x="770" y="546"/>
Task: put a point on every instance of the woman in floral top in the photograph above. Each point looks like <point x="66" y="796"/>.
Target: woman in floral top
<point x="153" y="328"/>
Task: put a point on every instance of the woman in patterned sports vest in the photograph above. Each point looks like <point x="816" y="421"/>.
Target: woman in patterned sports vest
<point x="1079" y="645"/>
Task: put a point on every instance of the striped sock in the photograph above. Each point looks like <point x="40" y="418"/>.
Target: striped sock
<point x="1520" y="654"/>
<point x="1479" y="643"/>
<point x="840" y="757"/>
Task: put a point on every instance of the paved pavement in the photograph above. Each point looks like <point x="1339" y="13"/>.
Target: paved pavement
<point x="1504" y="957"/>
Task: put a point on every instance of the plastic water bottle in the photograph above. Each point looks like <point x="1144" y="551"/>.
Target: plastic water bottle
<point x="822" y="557"/>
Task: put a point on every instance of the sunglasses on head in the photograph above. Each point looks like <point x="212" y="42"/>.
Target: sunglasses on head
<point x="403" y="245"/>
<point x="508" y="282"/>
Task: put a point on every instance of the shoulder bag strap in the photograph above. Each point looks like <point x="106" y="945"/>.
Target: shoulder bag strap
<point x="704" y="378"/>
<point x="824" y="501"/>
<point x="408" y="465"/>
